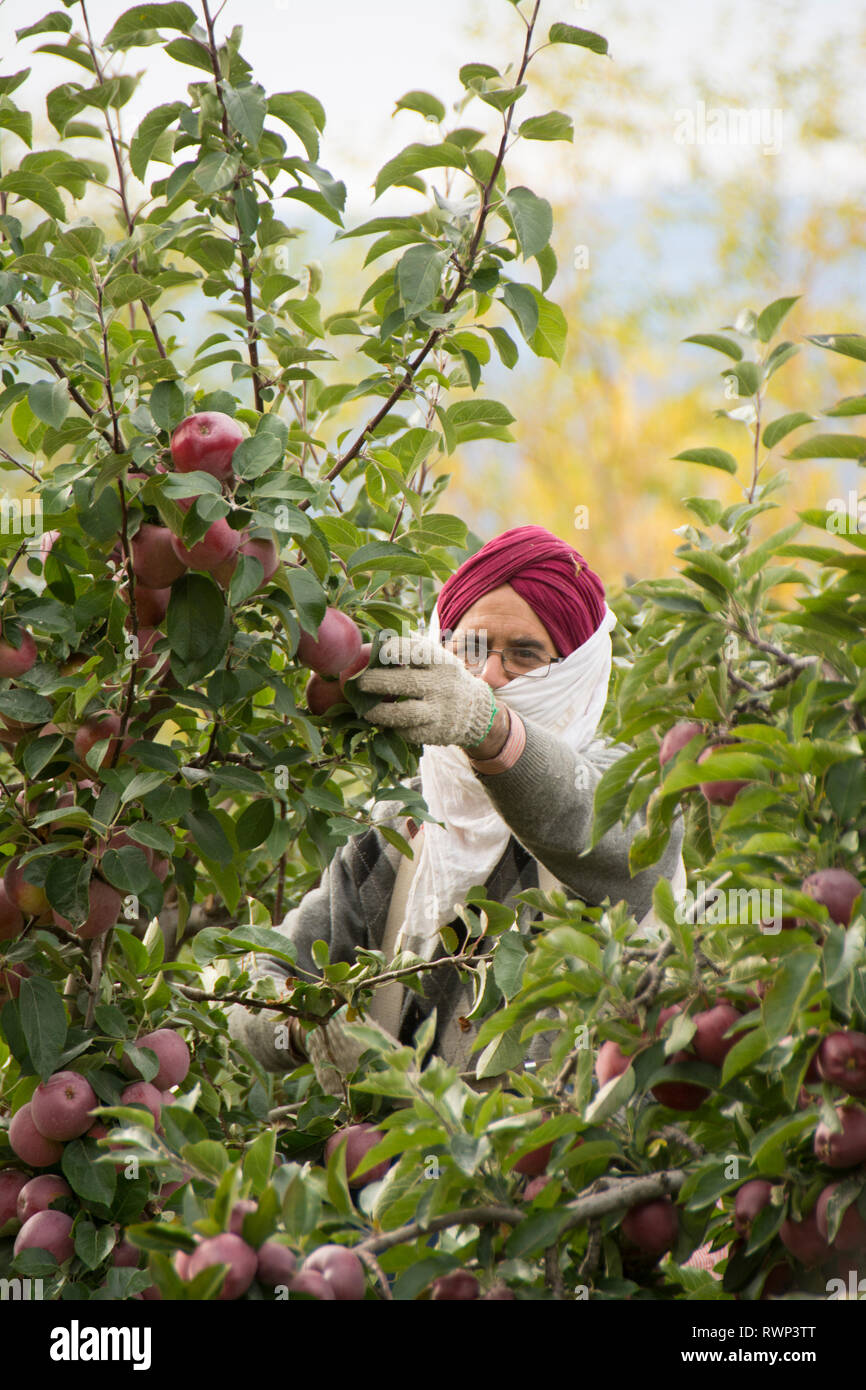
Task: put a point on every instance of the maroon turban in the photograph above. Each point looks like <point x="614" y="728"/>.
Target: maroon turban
<point x="556" y="582"/>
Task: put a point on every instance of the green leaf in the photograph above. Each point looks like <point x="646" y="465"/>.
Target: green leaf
<point x="500" y="98"/>
<point x="612" y="1096"/>
<point x="548" y="340"/>
<point x="35" y="188"/>
<point x="830" y="446"/>
<point x="416" y="157"/>
<point x="784" y="424"/>
<point x="770" y="318"/>
<point x="788" y="990"/>
<point x="554" y="126"/>
<point x="93" y="1244"/>
<point x="288" y="108"/>
<point x="505" y="345"/>
<point x="142" y="17"/>
<point x="584" y="38"/>
<point x="166" y="405"/>
<point x="216" y="170"/>
<point x="521" y="302"/>
<point x="19" y="122"/>
<point x="255" y="824"/>
<point x="208" y="836"/>
<point x="255" y="456"/>
<point x="718" y="342"/>
<point x="533" y="220"/>
<point x="387" y="556"/>
<point x="145" y="139"/>
<point x="259" y="1161"/>
<point x="66" y="887"/>
<point x="308" y="597"/>
<point x="54" y="23"/>
<point x="95" y="1182"/>
<point x="423" y="102"/>
<point x="26" y="706"/>
<point x="849" y="344"/>
<point x="43" y="1022"/>
<point x="125" y="289"/>
<point x="749" y="1049"/>
<point x="419" y="275"/>
<point x="127" y="870"/>
<point x="246" y="107"/>
<point x="711" y="458"/>
<point x="502" y="1054"/>
<point x="849" y="405"/>
<point x="196" y="620"/>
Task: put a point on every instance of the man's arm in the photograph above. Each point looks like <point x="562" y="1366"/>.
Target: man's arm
<point x="546" y="799"/>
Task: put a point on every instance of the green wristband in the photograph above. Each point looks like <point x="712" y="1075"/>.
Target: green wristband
<point x="490" y="725"/>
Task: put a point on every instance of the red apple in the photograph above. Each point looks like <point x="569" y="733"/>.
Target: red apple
<point x="97" y="728"/>
<point x="206" y="442"/>
<point x="359" y="1139"/>
<point x="15" y="661"/>
<point x="841" y="1149"/>
<point x="680" y="1095"/>
<point x="105" y="907"/>
<point x="47" y="1230"/>
<point x="337" y="644"/>
<point x="751" y="1198"/>
<point x="142" y="1093"/>
<point x="259" y="548"/>
<point x="12" y="1182"/>
<point x="239" y="1211"/>
<point x="27" y="896"/>
<point x="276" y="1264"/>
<point x="341" y="1268"/>
<point x="39" y="1193"/>
<point x="226" y="1249"/>
<point x="10" y="981"/>
<point x="841" y="1060"/>
<point x="457" y="1287"/>
<point x="677" y="738"/>
<point x="154" y="560"/>
<point x="804" y="1240"/>
<point x="11" y="917"/>
<point x="652" y="1226"/>
<point x="308" y="1281"/>
<point x="610" y="1062"/>
<point x="709" y="1042"/>
<point x="320" y="694"/>
<point x="500" y="1293"/>
<point x="535" y="1162"/>
<point x="60" y="1107"/>
<point x="836" y="889"/>
<point x="360" y="662"/>
<point x="172" y="1054"/>
<point x="851" y="1234"/>
<point x="534" y="1186"/>
<point x="216" y="545"/>
<point x="29" y="1144"/>
<point x="125" y="1255"/>
<point x="719" y="793"/>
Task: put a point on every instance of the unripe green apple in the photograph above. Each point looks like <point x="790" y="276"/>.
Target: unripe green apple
<point x="39" y="1193"/>
<point x="230" y="1250"/>
<point x="60" y="1107"/>
<point x="47" y="1230"/>
<point x="31" y="1145"/>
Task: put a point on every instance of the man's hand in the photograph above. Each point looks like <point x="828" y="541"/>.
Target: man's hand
<point x="450" y="705"/>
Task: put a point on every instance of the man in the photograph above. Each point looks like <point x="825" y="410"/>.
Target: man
<point x="506" y="708"/>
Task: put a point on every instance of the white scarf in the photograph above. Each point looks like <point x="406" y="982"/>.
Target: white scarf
<point x="569" y="702"/>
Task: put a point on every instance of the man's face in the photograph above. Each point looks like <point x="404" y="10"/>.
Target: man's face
<point x="501" y="618"/>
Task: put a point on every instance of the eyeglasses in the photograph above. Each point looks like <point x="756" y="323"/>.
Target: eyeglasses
<point x="516" y="661"/>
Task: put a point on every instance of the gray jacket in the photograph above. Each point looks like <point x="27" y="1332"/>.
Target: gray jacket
<point x="546" y="799"/>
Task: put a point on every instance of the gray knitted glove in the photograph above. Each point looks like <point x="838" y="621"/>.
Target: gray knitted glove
<point x="335" y="1055"/>
<point x="451" y="706"/>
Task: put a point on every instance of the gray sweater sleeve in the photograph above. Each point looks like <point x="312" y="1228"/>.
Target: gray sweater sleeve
<point x="546" y="799"/>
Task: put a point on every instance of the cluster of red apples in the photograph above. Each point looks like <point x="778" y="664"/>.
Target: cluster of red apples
<point x="60" y="1110"/>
